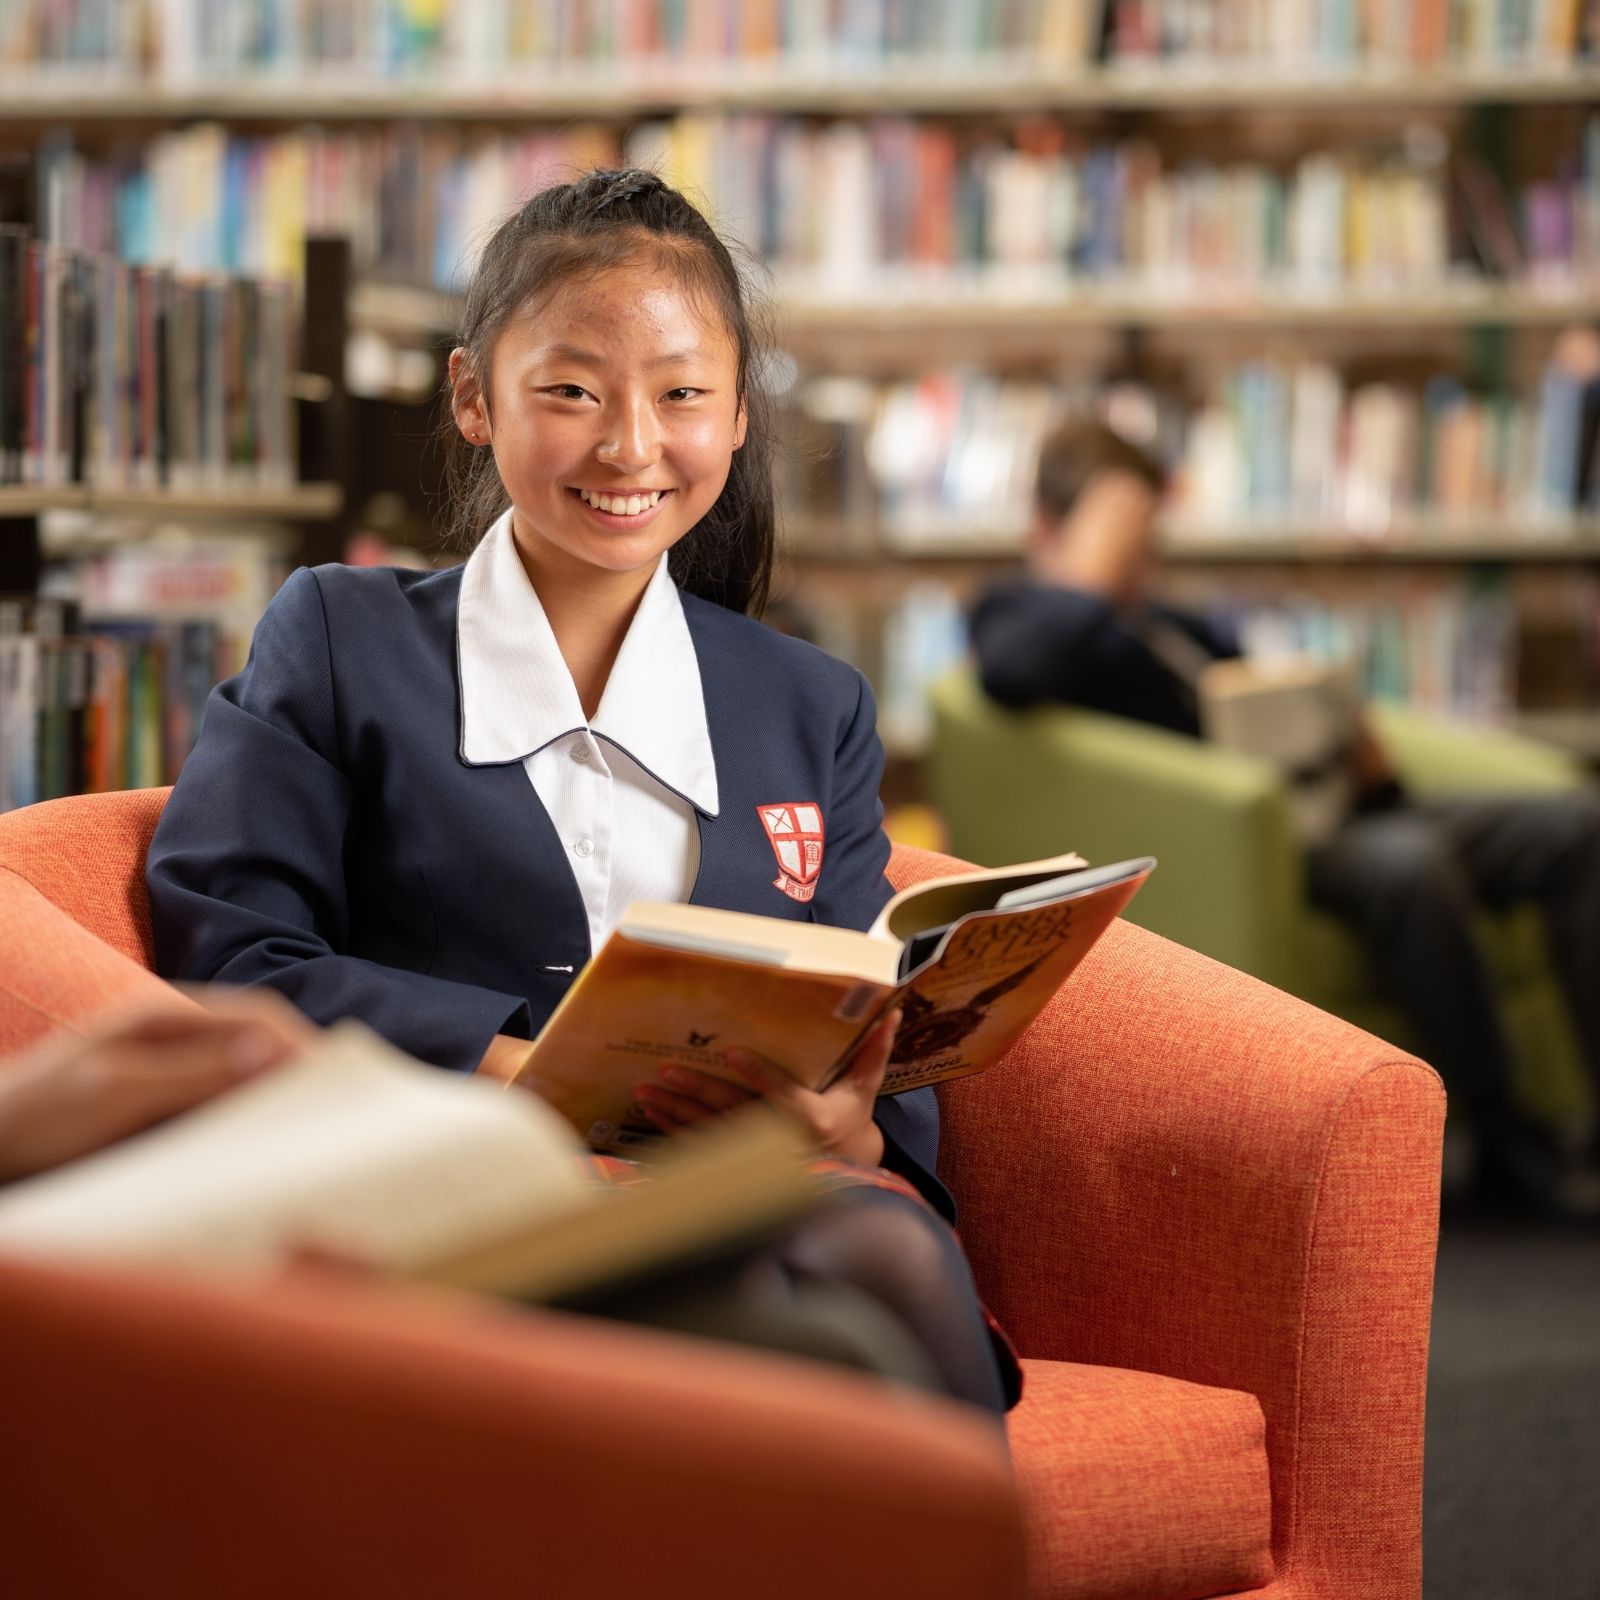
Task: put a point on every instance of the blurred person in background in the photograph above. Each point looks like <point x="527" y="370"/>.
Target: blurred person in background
<point x="1084" y="626"/>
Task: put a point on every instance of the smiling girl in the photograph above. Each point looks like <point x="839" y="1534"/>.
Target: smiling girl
<point x="429" y="796"/>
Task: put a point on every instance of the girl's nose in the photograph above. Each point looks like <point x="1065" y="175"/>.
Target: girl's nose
<point x="633" y="441"/>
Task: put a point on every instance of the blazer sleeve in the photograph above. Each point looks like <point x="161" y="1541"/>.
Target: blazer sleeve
<point x="1035" y="642"/>
<point x="852" y="891"/>
<point x="246" y="870"/>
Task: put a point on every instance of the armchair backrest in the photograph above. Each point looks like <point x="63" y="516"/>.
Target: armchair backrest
<point x="86" y="854"/>
<point x="1018" y="785"/>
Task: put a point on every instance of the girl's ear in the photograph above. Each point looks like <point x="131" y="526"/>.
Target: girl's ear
<point x="740" y="426"/>
<point x="466" y="399"/>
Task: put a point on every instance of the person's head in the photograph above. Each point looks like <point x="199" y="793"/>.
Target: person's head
<point x="1094" y="486"/>
<point x="607" y="351"/>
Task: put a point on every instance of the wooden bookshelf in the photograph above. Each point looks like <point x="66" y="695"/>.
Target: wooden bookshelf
<point x="623" y="90"/>
<point x="976" y="309"/>
<point x="304" y="502"/>
<point x="979" y="309"/>
<point x="818" y="544"/>
<point x="893" y="324"/>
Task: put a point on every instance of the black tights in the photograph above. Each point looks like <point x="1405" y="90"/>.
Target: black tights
<point x="869" y="1279"/>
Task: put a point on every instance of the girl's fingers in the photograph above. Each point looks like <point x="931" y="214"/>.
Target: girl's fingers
<point x="872" y="1059"/>
<point x="682" y="1109"/>
<point x="759" y="1075"/>
<point x="717" y="1093"/>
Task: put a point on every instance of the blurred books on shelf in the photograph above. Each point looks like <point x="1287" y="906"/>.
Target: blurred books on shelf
<point x="1284" y="453"/>
<point x="125" y="377"/>
<point x="104" y="676"/>
<point x="887" y="208"/>
<point x="180" y="43"/>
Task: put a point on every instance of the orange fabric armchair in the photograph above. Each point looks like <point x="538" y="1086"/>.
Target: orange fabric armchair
<point x="1206" y="1212"/>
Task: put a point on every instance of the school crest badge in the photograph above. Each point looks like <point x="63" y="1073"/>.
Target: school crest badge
<point x="794" y="831"/>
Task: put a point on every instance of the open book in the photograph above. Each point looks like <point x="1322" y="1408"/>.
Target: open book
<point x="1299" y="714"/>
<point x="357" y="1150"/>
<point x="970" y="958"/>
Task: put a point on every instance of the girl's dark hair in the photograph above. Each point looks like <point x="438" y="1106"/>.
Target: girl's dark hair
<point x="605" y="219"/>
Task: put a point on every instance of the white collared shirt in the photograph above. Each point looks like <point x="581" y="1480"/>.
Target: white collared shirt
<point x="622" y="790"/>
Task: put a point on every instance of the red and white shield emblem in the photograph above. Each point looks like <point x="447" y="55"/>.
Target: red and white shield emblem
<point x="794" y="831"/>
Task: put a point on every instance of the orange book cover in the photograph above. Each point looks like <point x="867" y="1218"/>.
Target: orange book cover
<point x="679" y="985"/>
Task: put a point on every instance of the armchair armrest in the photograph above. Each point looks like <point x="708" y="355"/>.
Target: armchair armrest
<point x="1437" y="757"/>
<point x="1182" y="1171"/>
<point x="409" y="1445"/>
<point x="1231" y="878"/>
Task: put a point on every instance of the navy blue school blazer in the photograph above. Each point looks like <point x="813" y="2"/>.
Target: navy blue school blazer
<point x="327" y="838"/>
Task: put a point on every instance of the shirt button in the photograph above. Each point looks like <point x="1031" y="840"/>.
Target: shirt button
<point x="578" y="750"/>
<point x="584" y="847"/>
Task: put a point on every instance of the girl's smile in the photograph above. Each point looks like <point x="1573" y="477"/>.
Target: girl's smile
<point x="622" y="508"/>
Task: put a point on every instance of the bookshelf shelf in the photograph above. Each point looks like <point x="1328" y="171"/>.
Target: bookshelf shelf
<point x="976" y="309"/>
<point x="304" y="502"/>
<point x="1490" y="539"/>
<point x="622" y="91"/>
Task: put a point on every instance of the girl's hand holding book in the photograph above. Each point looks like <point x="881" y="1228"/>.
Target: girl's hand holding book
<point x="839" y="1117"/>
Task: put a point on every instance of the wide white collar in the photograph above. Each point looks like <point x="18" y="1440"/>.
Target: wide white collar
<point x="517" y="695"/>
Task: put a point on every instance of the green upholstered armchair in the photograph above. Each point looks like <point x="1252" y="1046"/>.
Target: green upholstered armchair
<point x="1016" y="785"/>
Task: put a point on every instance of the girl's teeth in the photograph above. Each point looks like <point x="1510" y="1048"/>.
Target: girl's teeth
<point x="621" y="505"/>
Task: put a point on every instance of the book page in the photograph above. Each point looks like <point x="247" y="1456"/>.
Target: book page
<point x="994" y="972"/>
<point x="354" y="1148"/>
<point x="943" y="900"/>
<point x="742" y="936"/>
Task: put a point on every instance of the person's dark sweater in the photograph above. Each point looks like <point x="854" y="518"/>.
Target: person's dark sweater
<point x="1039" y="642"/>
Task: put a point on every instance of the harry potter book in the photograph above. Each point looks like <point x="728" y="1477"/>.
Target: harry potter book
<point x="970" y="960"/>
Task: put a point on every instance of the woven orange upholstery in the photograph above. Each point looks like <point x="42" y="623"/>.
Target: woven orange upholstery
<point x="330" y="1439"/>
<point x="55" y="974"/>
<point x="74" y="916"/>
<point x="1140" y="1485"/>
<point x="86" y="854"/>
<point x="1178" y="1172"/>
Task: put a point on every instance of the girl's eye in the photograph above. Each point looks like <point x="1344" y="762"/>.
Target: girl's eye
<point x="567" y="391"/>
<point x="682" y="394"/>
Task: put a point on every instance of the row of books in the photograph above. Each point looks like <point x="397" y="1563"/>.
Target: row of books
<point x="119" y="375"/>
<point x="1484" y="646"/>
<point x="841" y="205"/>
<point x="1446" y="645"/>
<point x="115" y="705"/>
<point x="104" y="675"/>
<point x="948" y="459"/>
<point x="189" y="41"/>
<point x="1294" y="442"/>
<point x="1339" y="33"/>
<point x="1471" y="647"/>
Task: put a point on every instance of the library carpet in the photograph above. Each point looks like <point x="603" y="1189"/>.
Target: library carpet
<point x="1511" y="1497"/>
